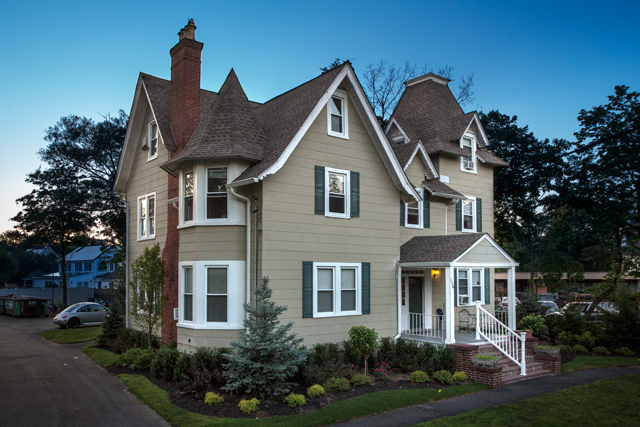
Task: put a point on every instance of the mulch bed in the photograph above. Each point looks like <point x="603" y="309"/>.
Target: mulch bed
<point x="185" y="398"/>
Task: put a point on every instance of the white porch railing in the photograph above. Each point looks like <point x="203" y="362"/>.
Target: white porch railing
<point x="424" y="325"/>
<point x="504" y="339"/>
<point x="502" y="316"/>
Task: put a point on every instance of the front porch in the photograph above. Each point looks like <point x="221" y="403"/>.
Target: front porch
<point x="460" y="337"/>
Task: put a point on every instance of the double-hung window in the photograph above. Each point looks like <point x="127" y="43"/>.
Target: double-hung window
<point x="337" y="115"/>
<point x="468" y="215"/>
<point x="337" y="289"/>
<point x="413" y="213"/>
<point x="470" y="286"/>
<point x="153" y="141"/>
<point x="188" y="189"/>
<point x="216" y="294"/>
<point x="337" y="193"/>
<point x="216" y="193"/>
<point x="87" y="266"/>
<point x="188" y="293"/>
<point x="147" y="216"/>
<point x="468" y="163"/>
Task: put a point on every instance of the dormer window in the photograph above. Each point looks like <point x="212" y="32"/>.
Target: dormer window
<point x="153" y="141"/>
<point x="468" y="162"/>
<point x="337" y="114"/>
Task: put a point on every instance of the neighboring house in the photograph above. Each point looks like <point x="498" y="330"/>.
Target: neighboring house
<point x="27" y="281"/>
<point x="40" y="279"/>
<point x="523" y="282"/>
<point x="46" y="251"/>
<point x="107" y="281"/>
<point x="86" y="266"/>
<point x="354" y="224"/>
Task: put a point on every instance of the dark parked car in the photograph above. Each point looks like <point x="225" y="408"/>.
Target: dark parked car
<point x="82" y="313"/>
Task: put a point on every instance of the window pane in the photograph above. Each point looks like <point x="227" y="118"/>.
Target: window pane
<point x="477" y="294"/>
<point x="188" y="184"/>
<point x="217" y="206"/>
<point x="413" y="214"/>
<point x="188" y="280"/>
<point x="347" y="279"/>
<point x="336" y="203"/>
<point x="336" y="124"/>
<point x="152" y="207"/>
<point x="336" y="106"/>
<point x="216" y="280"/>
<point x="143" y="208"/>
<point x="475" y="276"/>
<point x="152" y="226"/>
<point x="336" y="183"/>
<point x="468" y="222"/>
<point x="325" y="278"/>
<point x="188" y="208"/>
<point x="216" y="180"/>
<point x="325" y="301"/>
<point x="348" y="301"/>
<point x="143" y="227"/>
<point x="467" y="207"/>
<point x="154" y="130"/>
<point x="188" y="307"/>
<point x="216" y="308"/>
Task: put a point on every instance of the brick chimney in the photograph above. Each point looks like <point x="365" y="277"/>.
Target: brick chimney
<point x="184" y="98"/>
<point x="184" y="116"/>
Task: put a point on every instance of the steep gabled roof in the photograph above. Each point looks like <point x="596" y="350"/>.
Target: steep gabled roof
<point x="228" y="128"/>
<point x="440" y="189"/>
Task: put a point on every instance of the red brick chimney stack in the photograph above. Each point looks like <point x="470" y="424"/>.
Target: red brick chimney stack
<point x="184" y="116"/>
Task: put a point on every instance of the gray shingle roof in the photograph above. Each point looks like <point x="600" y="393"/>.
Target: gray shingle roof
<point x="87" y="253"/>
<point x="229" y="128"/>
<point x="434" y="186"/>
<point x="404" y="151"/>
<point x="437" y="248"/>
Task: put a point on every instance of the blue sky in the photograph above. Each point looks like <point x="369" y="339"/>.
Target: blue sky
<point x="542" y="61"/>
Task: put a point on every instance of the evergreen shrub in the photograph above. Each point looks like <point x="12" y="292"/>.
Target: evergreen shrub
<point x="248" y="406"/>
<point x="443" y="377"/>
<point x="295" y="400"/>
<point x="336" y="384"/>
<point x="315" y="390"/>
<point x="419" y="377"/>
<point x="360" y="379"/>
<point x="212" y="398"/>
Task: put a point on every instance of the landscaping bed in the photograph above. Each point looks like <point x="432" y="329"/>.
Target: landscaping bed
<point x="184" y="397"/>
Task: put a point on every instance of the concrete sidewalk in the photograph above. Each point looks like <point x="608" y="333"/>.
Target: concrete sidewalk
<point x="495" y="397"/>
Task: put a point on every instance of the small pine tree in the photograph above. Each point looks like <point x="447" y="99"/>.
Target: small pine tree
<point x="112" y="326"/>
<point x="269" y="354"/>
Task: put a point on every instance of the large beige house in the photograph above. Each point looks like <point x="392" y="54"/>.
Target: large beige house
<point x="354" y="224"/>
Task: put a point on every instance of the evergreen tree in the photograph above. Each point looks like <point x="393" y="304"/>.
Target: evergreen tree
<point x="269" y="354"/>
<point x="112" y="326"/>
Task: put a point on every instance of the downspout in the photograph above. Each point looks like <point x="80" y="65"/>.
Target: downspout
<point x="126" y="261"/>
<point x="248" y="264"/>
<point x="399" y="302"/>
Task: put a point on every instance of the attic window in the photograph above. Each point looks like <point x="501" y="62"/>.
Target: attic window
<point x="153" y="140"/>
<point x="468" y="163"/>
<point x="337" y="114"/>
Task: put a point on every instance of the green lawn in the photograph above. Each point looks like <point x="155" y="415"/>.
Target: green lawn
<point x="612" y="402"/>
<point x="588" y="362"/>
<point x="345" y="410"/>
<point x="101" y="356"/>
<point x="70" y="336"/>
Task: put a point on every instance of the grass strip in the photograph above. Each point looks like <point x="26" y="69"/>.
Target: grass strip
<point x="345" y="410"/>
<point x="72" y="336"/>
<point x="610" y="402"/>
<point x="101" y="356"/>
<point x="588" y="362"/>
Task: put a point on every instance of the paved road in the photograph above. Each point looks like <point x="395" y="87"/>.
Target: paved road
<point x="47" y="384"/>
<point x="488" y="399"/>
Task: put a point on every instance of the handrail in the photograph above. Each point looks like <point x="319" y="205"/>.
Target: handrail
<point x="424" y="325"/>
<point x="501" y="337"/>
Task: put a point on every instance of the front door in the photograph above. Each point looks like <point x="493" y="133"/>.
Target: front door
<point x="415" y="301"/>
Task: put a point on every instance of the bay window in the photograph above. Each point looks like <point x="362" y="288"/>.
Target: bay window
<point x="216" y="193"/>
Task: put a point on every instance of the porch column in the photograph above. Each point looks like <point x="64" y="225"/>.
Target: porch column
<point x="399" y="301"/>
<point x="449" y="307"/>
<point x="511" y="297"/>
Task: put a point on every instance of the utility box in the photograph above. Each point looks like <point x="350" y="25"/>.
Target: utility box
<point x="22" y="306"/>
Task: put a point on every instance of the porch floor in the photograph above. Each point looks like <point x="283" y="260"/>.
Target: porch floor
<point x="460" y="337"/>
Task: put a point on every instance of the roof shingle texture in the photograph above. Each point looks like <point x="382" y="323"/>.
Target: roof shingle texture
<point x="437" y="248"/>
<point x="404" y="151"/>
<point x="87" y="253"/>
<point x="435" y="186"/>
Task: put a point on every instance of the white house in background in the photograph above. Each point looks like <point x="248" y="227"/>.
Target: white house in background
<point x="86" y="266"/>
<point x="46" y="251"/>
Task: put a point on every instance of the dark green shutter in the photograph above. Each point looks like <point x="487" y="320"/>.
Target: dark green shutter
<point x="319" y="190"/>
<point x="355" y="194"/>
<point x="455" y="287"/>
<point x="401" y="213"/>
<point x="487" y="286"/>
<point x="366" y="288"/>
<point x="426" y="212"/>
<point x="479" y="215"/>
<point x="459" y="215"/>
<point x="307" y="289"/>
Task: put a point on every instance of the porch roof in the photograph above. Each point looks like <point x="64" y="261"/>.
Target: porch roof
<point x="445" y="250"/>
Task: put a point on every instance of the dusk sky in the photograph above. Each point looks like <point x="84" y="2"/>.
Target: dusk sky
<point x="543" y="62"/>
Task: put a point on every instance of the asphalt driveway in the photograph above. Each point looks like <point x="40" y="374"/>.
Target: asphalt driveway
<point x="47" y="384"/>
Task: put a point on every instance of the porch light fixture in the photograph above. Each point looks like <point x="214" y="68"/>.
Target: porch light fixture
<point x="435" y="273"/>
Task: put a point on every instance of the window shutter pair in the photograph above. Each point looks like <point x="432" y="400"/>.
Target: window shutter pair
<point x="354" y="187"/>
<point x="478" y="215"/>
<point x="307" y="289"/>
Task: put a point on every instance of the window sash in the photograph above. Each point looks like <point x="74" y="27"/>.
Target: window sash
<point x="188" y="293"/>
<point x="217" y="203"/>
<point x="188" y="191"/>
<point x="153" y="140"/>
<point x="470" y="286"/>
<point x="337" y="115"/>
<point x="337" y="290"/>
<point x="217" y="294"/>
<point x="337" y="192"/>
<point x="468" y="217"/>
<point x="147" y="216"/>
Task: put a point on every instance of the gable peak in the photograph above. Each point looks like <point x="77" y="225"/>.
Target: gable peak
<point x="429" y="76"/>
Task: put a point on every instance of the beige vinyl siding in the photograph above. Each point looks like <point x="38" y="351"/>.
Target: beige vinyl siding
<point x="476" y="185"/>
<point x="293" y="233"/>
<point x="484" y="252"/>
<point x="213" y="243"/>
<point x="190" y="339"/>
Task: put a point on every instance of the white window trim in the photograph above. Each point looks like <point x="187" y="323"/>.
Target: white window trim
<point x="146" y="198"/>
<point x="336" y="291"/>
<point x="235" y="295"/>
<point x="207" y="294"/>
<point x="473" y="215"/>
<point x="474" y="147"/>
<point x="149" y="155"/>
<point x="345" y="114"/>
<point x="470" y="286"/>
<point x="420" y="224"/>
<point x="182" y="204"/>
<point x="347" y="193"/>
<point x="181" y="318"/>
